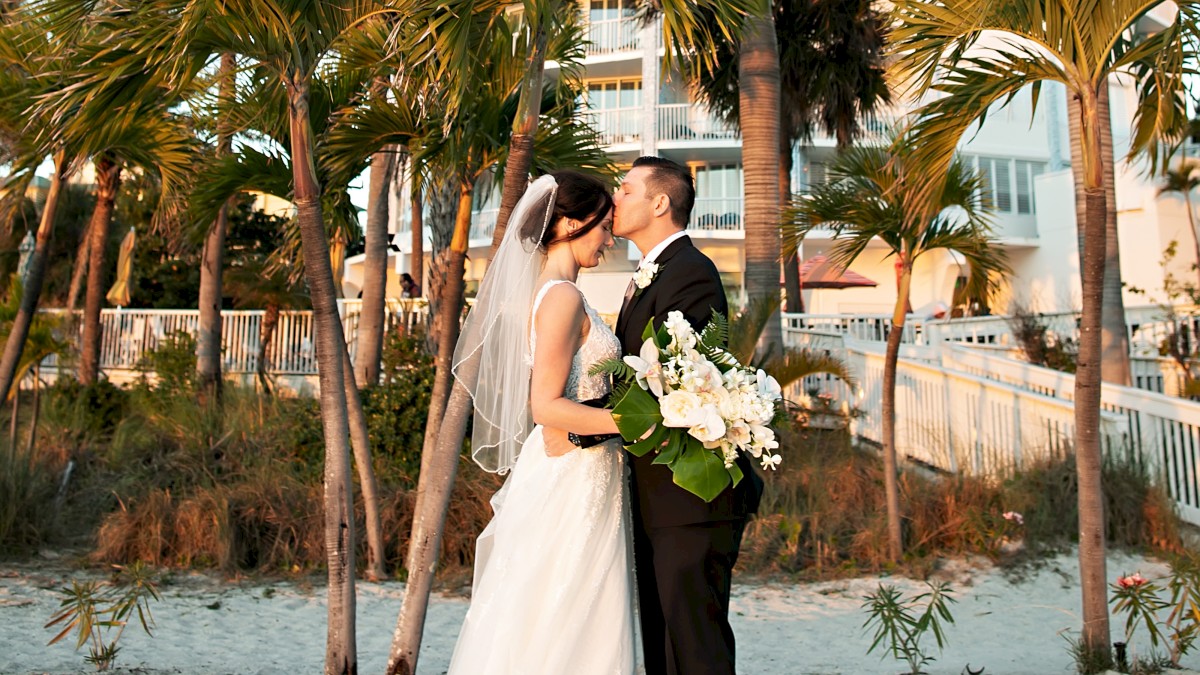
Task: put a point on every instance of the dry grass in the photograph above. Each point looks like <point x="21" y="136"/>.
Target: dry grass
<point x="823" y="513"/>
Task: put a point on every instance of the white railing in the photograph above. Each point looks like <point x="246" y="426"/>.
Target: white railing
<point x="613" y="35"/>
<point x="1162" y="431"/>
<point x="690" y="122"/>
<point x="868" y="327"/>
<point x="717" y="215"/>
<point x="127" y="335"/>
<point x="958" y="421"/>
<point x="617" y="125"/>
<point x="1147" y="325"/>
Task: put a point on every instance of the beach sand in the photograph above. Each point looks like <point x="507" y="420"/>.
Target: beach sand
<point x="1005" y="623"/>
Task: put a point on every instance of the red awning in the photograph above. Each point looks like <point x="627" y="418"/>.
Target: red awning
<point x="818" y="272"/>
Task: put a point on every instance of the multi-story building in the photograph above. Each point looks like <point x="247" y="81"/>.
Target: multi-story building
<point x="639" y="109"/>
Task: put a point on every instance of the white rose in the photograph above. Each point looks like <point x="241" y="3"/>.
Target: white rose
<point x="710" y="426"/>
<point x="681" y="409"/>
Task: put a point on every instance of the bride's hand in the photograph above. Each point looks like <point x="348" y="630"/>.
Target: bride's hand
<point x="556" y="442"/>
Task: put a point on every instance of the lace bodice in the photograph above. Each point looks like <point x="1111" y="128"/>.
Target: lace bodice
<point x="601" y="344"/>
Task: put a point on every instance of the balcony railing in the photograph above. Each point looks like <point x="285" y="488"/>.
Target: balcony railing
<point x="617" y="125"/>
<point x="717" y="214"/>
<point x="690" y="122"/>
<point x="483" y="224"/>
<point x="613" y="35"/>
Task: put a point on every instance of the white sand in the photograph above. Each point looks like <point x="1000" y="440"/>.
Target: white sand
<point x="205" y="625"/>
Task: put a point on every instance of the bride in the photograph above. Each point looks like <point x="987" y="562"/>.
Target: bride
<point x="553" y="576"/>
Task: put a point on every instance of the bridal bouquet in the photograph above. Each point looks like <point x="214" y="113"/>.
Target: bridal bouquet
<point x="689" y="400"/>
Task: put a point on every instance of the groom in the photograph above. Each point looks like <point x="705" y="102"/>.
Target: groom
<point x="684" y="548"/>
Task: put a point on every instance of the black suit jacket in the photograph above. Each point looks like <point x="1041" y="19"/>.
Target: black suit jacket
<point x="687" y="281"/>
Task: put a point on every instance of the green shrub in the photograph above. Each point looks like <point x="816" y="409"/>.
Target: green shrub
<point x="26" y="500"/>
<point x="173" y="363"/>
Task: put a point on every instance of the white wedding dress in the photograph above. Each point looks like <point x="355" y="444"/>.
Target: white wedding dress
<point x="553" y="587"/>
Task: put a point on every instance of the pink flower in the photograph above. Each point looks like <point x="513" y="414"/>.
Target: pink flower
<point x="1014" y="517"/>
<point x="1132" y="580"/>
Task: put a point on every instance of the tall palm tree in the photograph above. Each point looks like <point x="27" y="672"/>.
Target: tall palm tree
<point x="27" y="65"/>
<point x="875" y="193"/>
<point x="1079" y="43"/>
<point x="758" y="103"/>
<point x="1114" y="338"/>
<point x="208" y="337"/>
<point x="831" y="78"/>
<point x="1184" y="179"/>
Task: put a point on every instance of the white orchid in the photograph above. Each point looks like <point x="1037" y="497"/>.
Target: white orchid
<point x="768" y="386"/>
<point x="649" y="370"/>
<point x="771" y="461"/>
<point x="710" y="427"/>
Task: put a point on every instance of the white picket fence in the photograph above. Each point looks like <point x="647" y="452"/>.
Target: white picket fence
<point x="127" y="335"/>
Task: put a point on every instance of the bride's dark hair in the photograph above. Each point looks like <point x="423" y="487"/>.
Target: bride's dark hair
<point x="577" y="196"/>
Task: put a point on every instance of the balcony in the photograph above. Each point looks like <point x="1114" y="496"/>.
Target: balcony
<point x="611" y="36"/>
<point x="720" y="216"/>
<point x="691" y="122"/>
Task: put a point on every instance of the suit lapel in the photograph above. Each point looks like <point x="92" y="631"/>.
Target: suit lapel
<point x="627" y="310"/>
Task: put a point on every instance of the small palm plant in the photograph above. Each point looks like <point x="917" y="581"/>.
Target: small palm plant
<point x="900" y="623"/>
<point x="94" y="608"/>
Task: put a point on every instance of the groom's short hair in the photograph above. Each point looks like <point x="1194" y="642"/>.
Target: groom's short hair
<point x="674" y="181"/>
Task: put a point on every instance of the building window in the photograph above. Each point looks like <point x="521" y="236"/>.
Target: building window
<point x="1009" y="183"/>
<point x="606" y="10"/>
<point x="614" y="94"/>
<point x="718" y="196"/>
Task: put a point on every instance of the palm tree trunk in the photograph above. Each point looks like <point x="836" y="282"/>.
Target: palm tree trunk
<point x="520" y="151"/>
<point x="1092" y="566"/>
<point x="340" y="649"/>
<point x="360" y="442"/>
<point x="12" y="427"/>
<point x="1115" y="338"/>
<point x="208" y="338"/>
<point x="375" y="264"/>
<point x="758" y="101"/>
<point x="108" y="181"/>
<point x="78" y="270"/>
<point x="266" y="333"/>
<point x="37" y="409"/>
<point x="32" y="290"/>
<point x="439" y="463"/>
<point x="891" y="485"/>
<point x="418" y="236"/>
<point x="791" y="265"/>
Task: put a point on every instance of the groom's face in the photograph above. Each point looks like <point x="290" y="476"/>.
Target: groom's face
<point x="632" y="207"/>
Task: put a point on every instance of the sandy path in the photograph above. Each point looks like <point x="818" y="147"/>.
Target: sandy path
<point x="208" y="626"/>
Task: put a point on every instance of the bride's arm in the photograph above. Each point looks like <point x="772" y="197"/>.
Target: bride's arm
<point x="559" y="326"/>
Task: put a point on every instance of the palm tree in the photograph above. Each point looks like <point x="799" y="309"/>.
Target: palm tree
<point x="208" y="338"/>
<point x="831" y="77"/>
<point x="1114" y="360"/>
<point x="369" y="349"/>
<point x="1079" y="44"/>
<point x="27" y="62"/>
<point x="1183" y="180"/>
<point x="875" y="192"/>
<point x="758" y="103"/>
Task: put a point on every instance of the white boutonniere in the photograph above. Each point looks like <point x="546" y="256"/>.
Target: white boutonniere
<point x="644" y="275"/>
